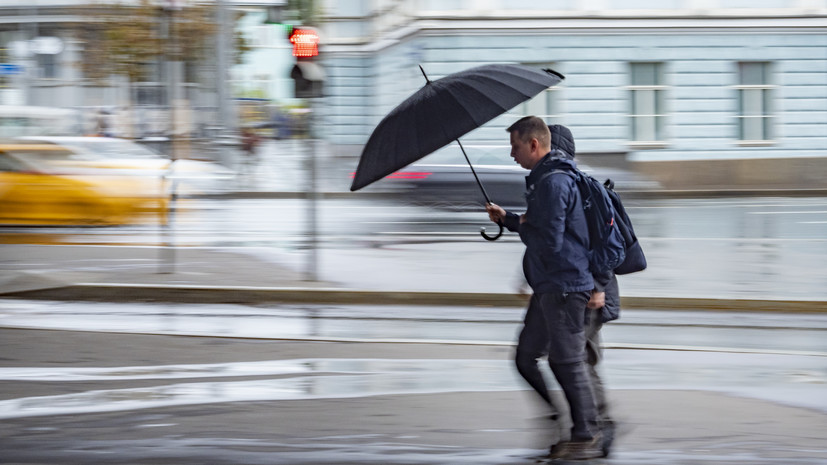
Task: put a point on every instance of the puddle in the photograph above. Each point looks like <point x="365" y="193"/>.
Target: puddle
<point x="376" y="377"/>
<point x="775" y="378"/>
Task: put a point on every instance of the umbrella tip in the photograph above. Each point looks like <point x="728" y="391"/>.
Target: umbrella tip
<point x="423" y="73"/>
<point x="551" y="71"/>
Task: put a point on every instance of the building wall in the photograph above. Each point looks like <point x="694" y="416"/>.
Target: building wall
<point x="700" y="56"/>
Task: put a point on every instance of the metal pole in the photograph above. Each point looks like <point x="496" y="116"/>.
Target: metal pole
<point x="31" y="60"/>
<point x="312" y="209"/>
<point x="170" y="52"/>
<point x="172" y="90"/>
<point x="224" y="115"/>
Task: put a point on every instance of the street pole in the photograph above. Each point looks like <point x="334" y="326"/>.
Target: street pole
<point x="30" y="33"/>
<point x="313" y="195"/>
<point x="227" y="119"/>
<point x="170" y="53"/>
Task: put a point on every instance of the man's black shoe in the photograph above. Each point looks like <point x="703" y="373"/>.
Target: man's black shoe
<point x="578" y="450"/>
<point x="608" y="438"/>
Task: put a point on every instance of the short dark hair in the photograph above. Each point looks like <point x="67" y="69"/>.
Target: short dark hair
<point x="529" y="127"/>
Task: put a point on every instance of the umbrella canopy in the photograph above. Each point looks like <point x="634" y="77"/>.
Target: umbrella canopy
<point x="442" y="111"/>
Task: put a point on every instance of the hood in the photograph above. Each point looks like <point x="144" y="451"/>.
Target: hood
<point x="552" y="161"/>
<point x="562" y="139"/>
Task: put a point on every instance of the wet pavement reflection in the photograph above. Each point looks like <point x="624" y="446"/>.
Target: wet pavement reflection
<point x="750" y="248"/>
<point x="784" y="379"/>
<point x="757" y="332"/>
<point x="393" y="403"/>
<point x="795" y="380"/>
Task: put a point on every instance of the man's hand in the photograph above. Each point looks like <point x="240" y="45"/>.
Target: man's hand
<point x="598" y="300"/>
<point x="495" y="213"/>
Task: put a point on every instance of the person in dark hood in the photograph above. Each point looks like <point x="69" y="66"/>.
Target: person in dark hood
<point x="562" y="139"/>
<point x="556" y="266"/>
<point x="603" y="307"/>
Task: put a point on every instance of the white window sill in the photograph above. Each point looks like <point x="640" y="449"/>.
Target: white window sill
<point x="647" y="145"/>
<point x="755" y="143"/>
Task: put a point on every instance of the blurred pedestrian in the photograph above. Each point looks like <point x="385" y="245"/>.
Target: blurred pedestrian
<point x="556" y="266"/>
<point x="249" y="148"/>
<point x="279" y="122"/>
<point x="103" y="126"/>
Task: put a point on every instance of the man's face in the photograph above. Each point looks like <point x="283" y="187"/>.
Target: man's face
<point x="522" y="152"/>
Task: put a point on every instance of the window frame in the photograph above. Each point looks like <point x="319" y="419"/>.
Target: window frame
<point x="766" y="99"/>
<point x="659" y="114"/>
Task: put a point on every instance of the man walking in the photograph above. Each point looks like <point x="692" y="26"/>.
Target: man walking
<point x="556" y="266"/>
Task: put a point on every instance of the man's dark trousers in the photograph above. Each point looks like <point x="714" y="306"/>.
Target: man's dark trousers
<point x="554" y="325"/>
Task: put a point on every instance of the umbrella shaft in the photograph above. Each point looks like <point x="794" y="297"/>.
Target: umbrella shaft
<point x="474" y="172"/>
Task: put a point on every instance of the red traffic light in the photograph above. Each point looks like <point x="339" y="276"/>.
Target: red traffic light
<point x="305" y="42"/>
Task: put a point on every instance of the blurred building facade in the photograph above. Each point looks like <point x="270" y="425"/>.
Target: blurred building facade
<point x="664" y="86"/>
<point x="41" y="55"/>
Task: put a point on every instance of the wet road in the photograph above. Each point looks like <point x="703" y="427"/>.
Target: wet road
<point x="281" y="223"/>
<point x="392" y="385"/>
<point x="758" y="248"/>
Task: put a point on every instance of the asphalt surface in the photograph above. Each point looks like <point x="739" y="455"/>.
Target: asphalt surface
<point x="119" y="398"/>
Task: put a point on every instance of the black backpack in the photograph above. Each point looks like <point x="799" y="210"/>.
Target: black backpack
<point x="607" y="247"/>
<point x="635" y="260"/>
<point x="612" y="241"/>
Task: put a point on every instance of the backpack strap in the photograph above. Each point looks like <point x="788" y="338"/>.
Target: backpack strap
<point x="555" y="171"/>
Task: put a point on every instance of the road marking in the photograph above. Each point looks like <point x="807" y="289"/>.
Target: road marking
<point x="721" y="205"/>
<point x="757" y="240"/>
<point x="409" y="341"/>
<point x="802" y="212"/>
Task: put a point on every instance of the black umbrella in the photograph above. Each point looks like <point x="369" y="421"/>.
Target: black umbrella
<point x="444" y="110"/>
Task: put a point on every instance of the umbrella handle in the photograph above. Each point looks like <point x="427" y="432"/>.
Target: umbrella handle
<point x="492" y="238"/>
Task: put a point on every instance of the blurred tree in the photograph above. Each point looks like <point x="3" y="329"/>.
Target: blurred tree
<point x="307" y="12"/>
<point x="129" y="39"/>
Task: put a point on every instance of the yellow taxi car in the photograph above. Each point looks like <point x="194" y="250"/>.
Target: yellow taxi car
<point x="38" y="187"/>
<point x="111" y="155"/>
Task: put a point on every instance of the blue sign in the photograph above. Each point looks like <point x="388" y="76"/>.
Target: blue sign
<point x="10" y="68"/>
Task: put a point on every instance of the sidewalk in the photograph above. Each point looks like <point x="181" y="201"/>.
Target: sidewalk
<point x="79" y="397"/>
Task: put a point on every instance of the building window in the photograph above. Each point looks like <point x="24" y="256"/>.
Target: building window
<point x="754" y="104"/>
<point x="546" y="104"/>
<point x="648" y="97"/>
<point x="47" y="65"/>
<point x="152" y="94"/>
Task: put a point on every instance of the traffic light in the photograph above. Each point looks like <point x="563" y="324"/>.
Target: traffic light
<point x="307" y="75"/>
<point x="308" y="78"/>
<point x="305" y="42"/>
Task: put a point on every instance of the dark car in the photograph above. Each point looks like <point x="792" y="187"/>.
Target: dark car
<point x="444" y="179"/>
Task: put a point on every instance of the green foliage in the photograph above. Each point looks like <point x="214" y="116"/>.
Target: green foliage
<point x="125" y="39"/>
<point x="308" y="12"/>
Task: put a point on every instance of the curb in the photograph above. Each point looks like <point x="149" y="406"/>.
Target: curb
<point x="116" y="292"/>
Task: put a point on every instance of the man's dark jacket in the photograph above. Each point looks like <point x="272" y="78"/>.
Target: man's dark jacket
<point x="555" y="231"/>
